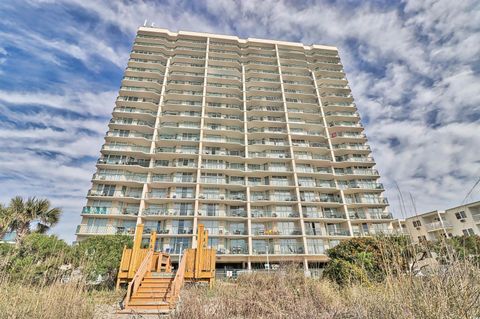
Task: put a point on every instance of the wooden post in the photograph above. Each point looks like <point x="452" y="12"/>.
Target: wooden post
<point x="137" y="242"/>
<point x="151" y="247"/>
<point x="153" y="238"/>
<point x="199" y="250"/>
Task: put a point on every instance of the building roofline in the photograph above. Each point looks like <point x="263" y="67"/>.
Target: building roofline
<point x="236" y="38"/>
<point x="464" y="205"/>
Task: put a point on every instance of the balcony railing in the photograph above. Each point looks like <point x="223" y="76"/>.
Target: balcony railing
<point x="104" y="230"/>
<point x="438" y="225"/>
<point x="98" y="210"/>
<point x="167" y="212"/>
<point x="338" y="232"/>
<point x="94" y="192"/>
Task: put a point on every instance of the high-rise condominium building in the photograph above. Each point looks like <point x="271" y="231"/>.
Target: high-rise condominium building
<point x="258" y="140"/>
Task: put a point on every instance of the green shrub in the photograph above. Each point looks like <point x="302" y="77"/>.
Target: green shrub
<point x="100" y="256"/>
<point x="369" y="258"/>
<point x="38" y="259"/>
<point x="345" y="273"/>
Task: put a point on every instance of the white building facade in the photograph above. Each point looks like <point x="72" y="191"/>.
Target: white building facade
<point x="258" y="140"/>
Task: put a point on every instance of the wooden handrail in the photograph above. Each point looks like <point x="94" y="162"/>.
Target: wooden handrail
<point x="178" y="280"/>
<point x="145" y="266"/>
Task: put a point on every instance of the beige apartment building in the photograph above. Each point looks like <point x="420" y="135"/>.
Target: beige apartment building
<point x="462" y="220"/>
<point x="258" y="140"/>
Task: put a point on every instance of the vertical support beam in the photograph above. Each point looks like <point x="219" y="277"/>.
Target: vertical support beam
<point x="200" y="150"/>
<point x="292" y="157"/>
<point x="145" y="189"/>
<point x="247" y="188"/>
<point x="332" y="154"/>
<point x="136" y="250"/>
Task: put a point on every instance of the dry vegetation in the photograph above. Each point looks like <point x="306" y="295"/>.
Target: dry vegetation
<point x="452" y="293"/>
<point x="45" y="302"/>
<point x="373" y="280"/>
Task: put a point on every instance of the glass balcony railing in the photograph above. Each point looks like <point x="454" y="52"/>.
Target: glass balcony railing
<point x="120" y="193"/>
<point x="167" y="212"/>
<point x="131" y="122"/>
<point x="134" y="110"/>
<point x="131" y="161"/>
<point x="439" y="225"/>
<point x="121" y="177"/>
<point x="105" y="230"/>
<point x="101" y="210"/>
<point x="338" y="232"/>
<point x="366" y="200"/>
<point x="126" y="148"/>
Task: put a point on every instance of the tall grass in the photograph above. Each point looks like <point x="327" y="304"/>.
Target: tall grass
<point x="30" y="288"/>
<point x="445" y="293"/>
<point x="54" y="301"/>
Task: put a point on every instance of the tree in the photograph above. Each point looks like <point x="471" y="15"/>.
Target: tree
<point x="6" y="219"/>
<point x="32" y="211"/>
<point x="38" y="259"/>
<point x="368" y="259"/>
<point x="100" y="256"/>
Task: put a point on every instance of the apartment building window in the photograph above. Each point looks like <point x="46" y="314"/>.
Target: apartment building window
<point x="461" y="215"/>
<point x="422" y="239"/>
<point x="416" y="223"/>
<point x="212" y="209"/>
<point x="468" y="232"/>
<point x="184" y="209"/>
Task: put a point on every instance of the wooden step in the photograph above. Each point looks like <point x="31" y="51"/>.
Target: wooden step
<point x="152" y="295"/>
<point x="160" y="275"/>
<point x="157" y="308"/>
<point x="154" y="285"/>
<point x="147" y="299"/>
<point x="148" y="305"/>
<point x="152" y="291"/>
<point x="158" y="280"/>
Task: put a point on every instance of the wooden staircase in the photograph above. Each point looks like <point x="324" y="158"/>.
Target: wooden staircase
<point x="153" y="294"/>
<point x="153" y="287"/>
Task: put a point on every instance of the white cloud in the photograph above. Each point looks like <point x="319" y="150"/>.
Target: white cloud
<point x="72" y="100"/>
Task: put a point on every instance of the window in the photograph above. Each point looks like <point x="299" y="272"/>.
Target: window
<point x="468" y="232"/>
<point x="422" y="239"/>
<point x="461" y="215"/>
<point x="416" y="223"/>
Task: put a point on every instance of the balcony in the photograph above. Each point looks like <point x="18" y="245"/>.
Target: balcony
<point x="167" y="212"/>
<point x="131" y="122"/>
<point x="359" y="147"/>
<point x="439" y="225"/>
<point x="134" y="111"/>
<point x="175" y="150"/>
<point x="195" y="138"/>
<point x="142" y="162"/>
<point x="104" y="230"/>
<point x="101" y="210"/>
<point x="140" y="178"/>
<point x="365" y="200"/>
<point x="130" y="135"/>
<point x="372" y="172"/>
<point x="132" y="194"/>
<point x="338" y="232"/>
<point x="125" y="148"/>
<point x="223" y="140"/>
<point x="267" y="155"/>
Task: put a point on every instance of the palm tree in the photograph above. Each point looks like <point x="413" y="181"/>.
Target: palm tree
<point x="6" y="219"/>
<point x="32" y="211"/>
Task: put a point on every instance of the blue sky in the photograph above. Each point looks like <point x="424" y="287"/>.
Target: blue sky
<point x="414" y="69"/>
